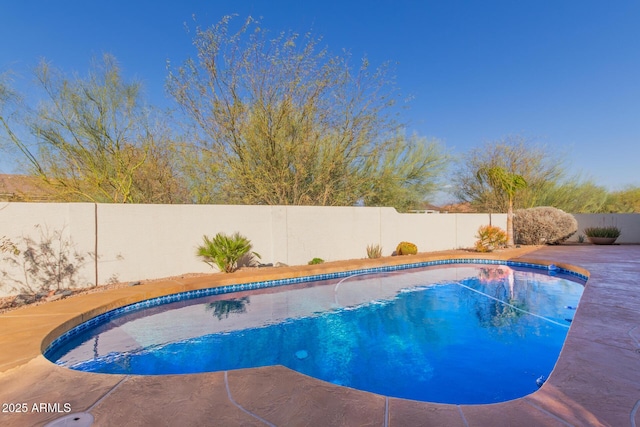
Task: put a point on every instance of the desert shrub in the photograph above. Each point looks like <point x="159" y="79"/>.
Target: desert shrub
<point x="374" y="251"/>
<point x="490" y="238"/>
<point x="316" y="261"/>
<point x="225" y="251"/>
<point x="406" y="248"/>
<point x="543" y="225"/>
<point x="612" y="232"/>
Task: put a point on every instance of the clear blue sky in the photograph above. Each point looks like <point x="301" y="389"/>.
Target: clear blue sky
<point x="565" y="73"/>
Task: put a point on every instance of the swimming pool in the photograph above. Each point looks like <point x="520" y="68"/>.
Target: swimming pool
<point x="451" y="334"/>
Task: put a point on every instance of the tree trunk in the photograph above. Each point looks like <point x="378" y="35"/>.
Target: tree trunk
<point x="510" y="224"/>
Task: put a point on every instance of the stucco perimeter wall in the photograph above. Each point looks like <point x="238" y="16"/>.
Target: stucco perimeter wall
<point x="70" y="222"/>
<point x="138" y="242"/>
<point x="629" y="225"/>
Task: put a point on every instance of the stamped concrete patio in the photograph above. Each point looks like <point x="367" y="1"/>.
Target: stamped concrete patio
<point x="596" y="381"/>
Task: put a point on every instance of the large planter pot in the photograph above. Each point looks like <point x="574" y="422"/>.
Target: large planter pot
<point x="602" y="240"/>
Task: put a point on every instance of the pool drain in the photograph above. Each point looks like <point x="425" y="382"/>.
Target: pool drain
<point x="80" y="419"/>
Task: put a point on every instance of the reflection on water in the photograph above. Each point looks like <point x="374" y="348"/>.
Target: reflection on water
<point x="507" y="304"/>
<point x="223" y="308"/>
<point x="425" y="334"/>
<point x="514" y="294"/>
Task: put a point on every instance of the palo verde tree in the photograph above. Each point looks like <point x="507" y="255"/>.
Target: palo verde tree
<point x="507" y="183"/>
<point x="574" y="195"/>
<point x="10" y="103"/>
<point x="626" y="200"/>
<point x="95" y="141"/>
<point x="281" y="121"/>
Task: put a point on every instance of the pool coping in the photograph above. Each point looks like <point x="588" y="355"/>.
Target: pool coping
<point x="26" y="332"/>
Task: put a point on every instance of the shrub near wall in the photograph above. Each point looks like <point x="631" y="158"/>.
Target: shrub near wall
<point x="490" y="238"/>
<point x="543" y="225"/>
<point x="406" y="248"/>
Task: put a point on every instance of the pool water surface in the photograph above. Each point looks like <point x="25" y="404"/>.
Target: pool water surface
<point x="463" y="334"/>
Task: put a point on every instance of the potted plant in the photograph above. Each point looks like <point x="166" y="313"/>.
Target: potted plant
<point x="602" y="235"/>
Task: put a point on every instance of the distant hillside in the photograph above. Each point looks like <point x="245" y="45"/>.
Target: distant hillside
<point x="463" y="207"/>
<point x="23" y="188"/>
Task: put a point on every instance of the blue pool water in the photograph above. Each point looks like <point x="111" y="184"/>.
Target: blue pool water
<point x="465" y="334"/>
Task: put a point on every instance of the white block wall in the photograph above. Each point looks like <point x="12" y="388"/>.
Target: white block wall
<point x="138" y="242"/>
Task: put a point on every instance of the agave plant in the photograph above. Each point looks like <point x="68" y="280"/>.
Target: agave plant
<point x="225" y="251"/>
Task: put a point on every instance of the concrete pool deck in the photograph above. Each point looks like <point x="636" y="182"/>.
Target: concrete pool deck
<point x="596" y="381"/>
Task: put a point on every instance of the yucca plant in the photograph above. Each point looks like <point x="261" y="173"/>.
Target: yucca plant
<point x="225" y="251"/>
<point x="374" y="251"/>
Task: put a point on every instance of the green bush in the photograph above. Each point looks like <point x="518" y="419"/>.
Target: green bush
<point x="543" y="225"/>
<point x="613" y="232"/>
<point x="406" y="248"/>
<point x="316" y="261"/>
<point x="225" y="251"/>
<point x="490" y="238"/>
<point x="374" y="251"/>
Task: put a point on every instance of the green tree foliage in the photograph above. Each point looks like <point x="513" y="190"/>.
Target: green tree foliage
<point x="624" y="201"/>
<point x="10" y="104"/>
<point x="281" y="121"/>
<point x="507" y="184"/>
<point x="97" y="142"/>
<point x="574" y="195"/>
<point x="542" y="170"/>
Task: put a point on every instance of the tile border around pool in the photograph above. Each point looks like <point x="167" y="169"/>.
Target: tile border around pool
<point x="187" y="295"/>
